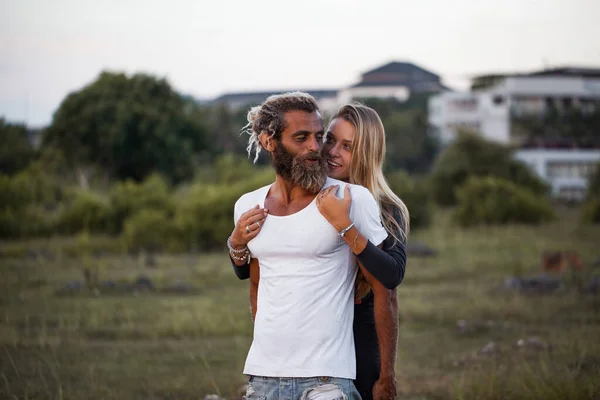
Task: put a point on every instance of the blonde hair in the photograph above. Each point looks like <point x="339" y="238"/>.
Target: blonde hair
<point x="366" y="166"/>
<point x="366" y="169"/>
<point x="269" y="117"/>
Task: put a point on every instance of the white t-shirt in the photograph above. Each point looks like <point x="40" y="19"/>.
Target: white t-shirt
<point x="303" y="325"/>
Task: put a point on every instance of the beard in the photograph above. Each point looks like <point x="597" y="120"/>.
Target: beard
<point x="297" y="169"/>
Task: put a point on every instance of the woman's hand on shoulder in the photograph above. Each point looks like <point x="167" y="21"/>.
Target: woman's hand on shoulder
<point x="334" y="209"/>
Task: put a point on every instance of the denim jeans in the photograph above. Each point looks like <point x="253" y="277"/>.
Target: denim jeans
<point x="317" y="388"/>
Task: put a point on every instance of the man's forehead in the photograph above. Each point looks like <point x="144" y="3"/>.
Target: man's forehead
<point x="297" y="119"/>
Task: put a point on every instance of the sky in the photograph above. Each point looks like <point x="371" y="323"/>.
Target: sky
<point x="205" y="48"/>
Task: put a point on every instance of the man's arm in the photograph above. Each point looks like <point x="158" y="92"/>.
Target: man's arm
<point x="386" y="324"/>
<point x="254" y="279"/>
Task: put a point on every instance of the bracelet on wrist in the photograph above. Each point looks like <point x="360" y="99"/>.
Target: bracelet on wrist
<point x="243" y="258"/>
<point x="345" y="230"/>
<point x="353" y="241"/>
<point x="233" y="249"/>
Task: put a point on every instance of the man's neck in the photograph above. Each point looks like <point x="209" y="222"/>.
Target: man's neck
<point x="287" y="192"/>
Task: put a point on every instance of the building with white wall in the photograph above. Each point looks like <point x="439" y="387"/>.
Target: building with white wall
<point x="497" y="105"/>
<point x="498" y="102"/>
<point x="566" y="170"/>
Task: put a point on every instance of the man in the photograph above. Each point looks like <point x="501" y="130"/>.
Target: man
<point x="303" y="345"/>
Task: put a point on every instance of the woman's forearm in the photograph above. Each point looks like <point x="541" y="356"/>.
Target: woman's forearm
<point x="241" y="271"/>
<point x="386" y="265"/>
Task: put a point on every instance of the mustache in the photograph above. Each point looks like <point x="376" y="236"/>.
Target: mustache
<point x="314" y="156"/>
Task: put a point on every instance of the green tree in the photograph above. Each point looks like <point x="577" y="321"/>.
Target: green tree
<point x="410" y="145"/>
<point x="129" y="126"/>
<point x="414" y="195"/>
<point x="593" y="189"/>
<point x="495" y="201"/>
<point x="16" y="150"/>
<point x="470" y="155"/>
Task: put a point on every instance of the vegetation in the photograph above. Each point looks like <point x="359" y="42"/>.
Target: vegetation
<point x="130" y="167"/>
<point x="149" y="344"/>
<point x="493" y="201"/>
<point x="128" y="126"/>
<point x="471" y="155"/>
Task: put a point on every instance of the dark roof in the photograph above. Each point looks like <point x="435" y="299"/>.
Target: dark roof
<point x="396" y="67"/>
<point x="423" y="86"/>
<point x="562" y="71"/>
<point x="570" y="71"/>
<point x="401" y="74"/>
<point x="402" y="67"/>
<point x="260" y="96"/>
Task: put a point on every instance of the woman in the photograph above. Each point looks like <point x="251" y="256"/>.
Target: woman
<point x="355" y="150"/>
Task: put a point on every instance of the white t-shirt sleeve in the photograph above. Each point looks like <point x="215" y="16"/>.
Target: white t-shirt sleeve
<point x="238" y="210"/>
<point x="364" y="212"/>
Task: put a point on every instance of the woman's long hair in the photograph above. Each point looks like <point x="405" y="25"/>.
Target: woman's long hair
<point x="366" y="169"/>
<point x="366" y="166"/>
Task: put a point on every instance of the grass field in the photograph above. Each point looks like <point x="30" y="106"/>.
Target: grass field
<point x="149" y="345"/>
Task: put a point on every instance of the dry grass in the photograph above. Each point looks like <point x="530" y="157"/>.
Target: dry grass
<point x="159" y="346"/>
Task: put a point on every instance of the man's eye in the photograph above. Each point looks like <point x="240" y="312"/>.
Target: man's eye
<point x="319" y="137"/>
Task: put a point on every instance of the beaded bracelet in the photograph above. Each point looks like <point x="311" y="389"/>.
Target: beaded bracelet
<point x="234" y="250"/>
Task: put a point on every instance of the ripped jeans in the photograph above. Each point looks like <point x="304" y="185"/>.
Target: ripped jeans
<point x="317" y="388"/>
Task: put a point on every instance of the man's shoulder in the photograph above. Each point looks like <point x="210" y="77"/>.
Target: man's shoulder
<point x="250" y="199"/>
<point x="359" y="193"/>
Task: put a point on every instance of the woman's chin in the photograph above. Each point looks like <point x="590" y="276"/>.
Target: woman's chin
<point x="335" y="173"/>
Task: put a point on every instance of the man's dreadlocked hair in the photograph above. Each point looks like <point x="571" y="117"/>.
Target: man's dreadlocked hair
<point x="268" y="117"/>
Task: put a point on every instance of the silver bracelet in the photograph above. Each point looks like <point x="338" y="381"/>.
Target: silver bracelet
<point x="343" y="231"/>
<point x="234" y="250"/>
<point x="244" y="258"/>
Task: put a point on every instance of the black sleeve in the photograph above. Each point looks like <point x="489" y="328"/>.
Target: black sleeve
<point x="242" y="272"/>
<point x="386" y="264"/>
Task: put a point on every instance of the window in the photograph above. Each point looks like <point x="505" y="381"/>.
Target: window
<point x="571" y="193"/>
<point x="570" y="169"/>
<point x="466" y="104"/>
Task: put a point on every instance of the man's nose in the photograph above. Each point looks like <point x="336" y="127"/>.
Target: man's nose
<point x="313" y="144"/>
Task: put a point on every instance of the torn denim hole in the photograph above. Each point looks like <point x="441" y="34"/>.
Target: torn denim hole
<point x="328" y="391"/>
<point x="250" y="393"/>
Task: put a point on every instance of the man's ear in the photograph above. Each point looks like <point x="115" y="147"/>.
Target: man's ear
<point x="267" y="142"/>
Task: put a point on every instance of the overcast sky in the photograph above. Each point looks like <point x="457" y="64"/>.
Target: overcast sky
<point x="49" y="48"/>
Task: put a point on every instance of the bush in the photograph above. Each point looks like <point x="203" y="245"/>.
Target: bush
<point x="414" y="195"/>
<point x="205" y="215"/>
<point x="593" y="189"/>
<point x="149" y="230"/>
<point x="129" y="197"/>
<point x="86" y="211"/>
<point x="20" y="214"/>
<point x="590" y="212"/>
<point x="228" y="168"/>
<point x="13" y="193"/>
<point x="471" y="155"/>
<point x="493" y="201"/>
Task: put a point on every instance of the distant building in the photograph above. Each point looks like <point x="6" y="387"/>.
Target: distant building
<point x="497" y="105"/>
<point x="497" y="102"/>
<point x="393" y="80"/>
<point x="243" y="99"/>
<point x="566" y="170"/>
